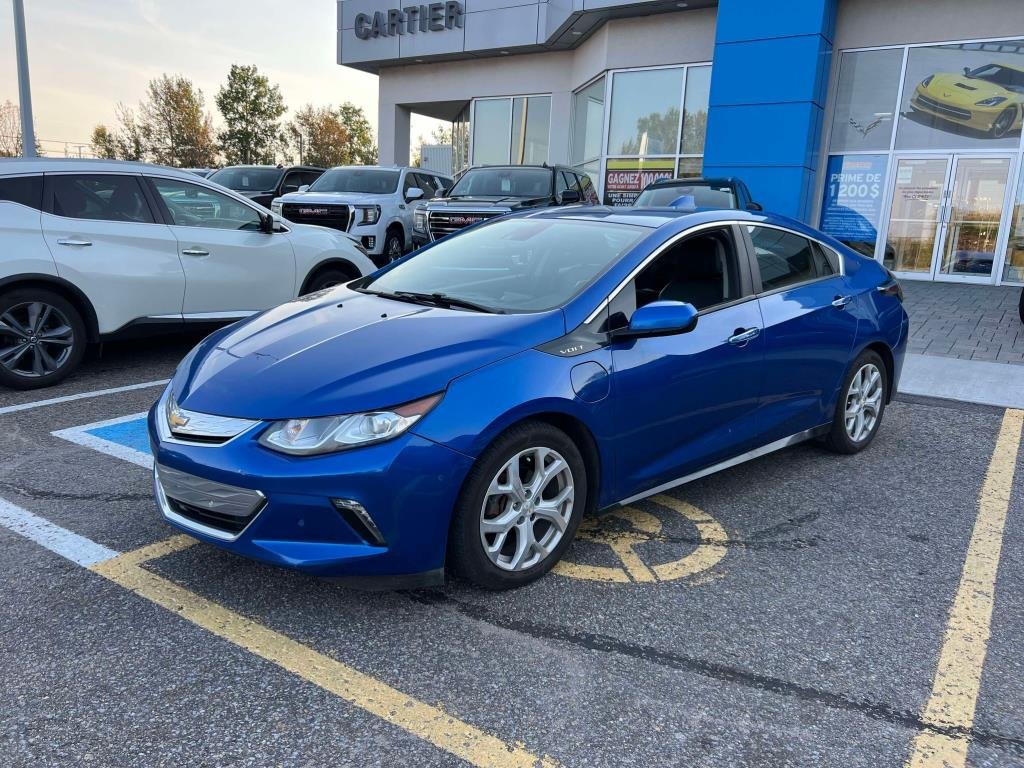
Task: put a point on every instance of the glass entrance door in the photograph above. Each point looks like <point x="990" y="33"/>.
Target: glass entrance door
<point x="945" y="216"/>
<point x="973" y="212"/>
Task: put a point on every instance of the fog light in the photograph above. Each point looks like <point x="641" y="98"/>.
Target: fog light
<point x="359" y="519"/>
<point x="369" y="243"/>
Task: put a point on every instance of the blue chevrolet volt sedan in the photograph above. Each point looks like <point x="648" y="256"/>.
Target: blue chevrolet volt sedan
<point x="465" y="407"/>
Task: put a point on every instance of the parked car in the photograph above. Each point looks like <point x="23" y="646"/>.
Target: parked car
<point x="726" y="192"/>
<point x="93" y="249"/>
<point x="432" y="415"/>
<point x="202" y="173"/>
<point x="372" y="203"/>
<point x="486" y="191"/>
<point x="263" y="183"/>
<point x="989" y="98"/>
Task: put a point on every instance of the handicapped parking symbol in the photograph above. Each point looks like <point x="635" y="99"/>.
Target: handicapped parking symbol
<point x="641" y="528"/>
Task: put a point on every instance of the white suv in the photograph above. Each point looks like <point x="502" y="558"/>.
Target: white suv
<point x="372" y="203"/>
<point x="94" y="248"/>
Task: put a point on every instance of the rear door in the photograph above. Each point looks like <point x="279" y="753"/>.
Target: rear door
<point x="106" y="239"/>
<point x="231" y="267"/>
<point x="810" y="324"/>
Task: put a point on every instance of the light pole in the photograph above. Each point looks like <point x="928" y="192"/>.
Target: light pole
<point x="28" y="134"/>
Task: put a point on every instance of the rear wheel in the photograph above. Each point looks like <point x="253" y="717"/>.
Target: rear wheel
<point x="860" y="406"/>
<point x="520" y="507"/>
<point x="42" y="338"/>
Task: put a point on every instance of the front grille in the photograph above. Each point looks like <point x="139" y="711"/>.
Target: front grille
<point x="944" y="109"/>
<point x="441" y="223"/>
<point x="211" y="519"/>
<point x="218" y="506"/>
<point x="321" y="214"/>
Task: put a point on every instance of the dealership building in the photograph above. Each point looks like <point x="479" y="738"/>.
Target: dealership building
<point x="894" y="125"/>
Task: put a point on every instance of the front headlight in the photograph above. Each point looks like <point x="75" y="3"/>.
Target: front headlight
<point x="419" y="220"/>
<point x="368" y="214"/>
<point x="927" y="81"/>
<point x="307" y="437"/>
<point x="991" y="101"/>
<point x="276" y="207"/>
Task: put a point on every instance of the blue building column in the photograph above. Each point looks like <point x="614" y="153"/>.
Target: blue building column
<point x="768" y="87"/>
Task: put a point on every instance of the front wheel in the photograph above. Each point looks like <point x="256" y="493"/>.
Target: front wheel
<point x="394" y="245"/>
<point x="42" y="338"/>
<point x="1003" y="123"/>
<point x="520" y="507"/>
<point x="860" y="405"/>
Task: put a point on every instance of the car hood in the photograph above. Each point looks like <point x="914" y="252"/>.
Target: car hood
<point x="339" y="198"/>
<point x="966" y="91"/>
<point x="344" y="352"/>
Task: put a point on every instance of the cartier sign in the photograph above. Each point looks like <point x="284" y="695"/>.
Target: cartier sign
<point x="435" y="17"/>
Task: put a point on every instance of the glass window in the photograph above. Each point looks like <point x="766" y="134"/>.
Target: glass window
<point x="460" y="140"/>
<point x="503" y="182"/>
<point x="514" y="265"/>
<point x="852" y="205"/>
<point x="625" y="177"/>
<point x="869" y="83"/>
<point x="690" y="167"/>
<point x="27" y="190"/>
<point x="193" y="206"/>
<point x="587" y="122"/>
<point x="1014" y="269"/>
<point x="704" y="195"/>
<point x="589" y="191"/>
<point x="292" y="182"/>
<point x="784" y="258"/>
<point x="426" y="182"/>
<point x="826" y="261"/>
<point x="645" y="112"/>
<point x="695" y="110"/>
<point x="702" y="270"/>
<point x="248" y="179"/>
<point x="962" y="96"/>
<point x="371" y="181"/>
<point x="531" y="123"/>
<point x="491" y="131"/>
<point x="100" y="196"/>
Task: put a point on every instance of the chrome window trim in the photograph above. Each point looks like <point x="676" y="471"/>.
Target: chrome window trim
<point x="842" y="261"/>
<point x="139" y="177"/>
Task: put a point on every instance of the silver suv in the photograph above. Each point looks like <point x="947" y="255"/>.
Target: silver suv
<point x="372" y="203"/>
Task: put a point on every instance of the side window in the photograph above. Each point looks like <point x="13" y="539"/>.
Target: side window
<point x="426" y="183"/>
<point x="702" y="270"/>
<point x="826" y="260"/>
<point x="563" y="182"/>
<point x="784" y="258"/>
<point x="27" y="190"/>
<point x="409" y="183"/>
<point x="107" y="197"/>
<point x="308" y="177"/>
<point x="292" y="182"/>
<point x="589" y="193"/>
<point x="193" y="206"/>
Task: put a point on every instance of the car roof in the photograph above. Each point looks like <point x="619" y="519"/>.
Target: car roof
<point x="675" y="218"/>
<point x="23" y="165"/>
<point x="693" y="180"/>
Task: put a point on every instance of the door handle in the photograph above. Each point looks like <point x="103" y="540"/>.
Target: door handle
<point x="741" y="336"/>
<point x="840" y="302"/>
<point x="73" y="242"/>
<point x="195" y="252"/>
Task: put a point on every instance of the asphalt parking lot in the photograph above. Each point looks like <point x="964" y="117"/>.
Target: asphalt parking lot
<point x="804" y="609"/>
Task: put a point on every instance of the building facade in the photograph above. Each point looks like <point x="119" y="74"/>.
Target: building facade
<point x="894" y="125"/>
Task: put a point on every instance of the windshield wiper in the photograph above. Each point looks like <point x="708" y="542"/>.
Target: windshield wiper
<point x="436" y="299"/>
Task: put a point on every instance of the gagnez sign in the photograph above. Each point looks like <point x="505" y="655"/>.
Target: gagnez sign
<point x="435" y="17"/>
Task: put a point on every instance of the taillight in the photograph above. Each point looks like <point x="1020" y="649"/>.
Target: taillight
<point x="891" y="287"/>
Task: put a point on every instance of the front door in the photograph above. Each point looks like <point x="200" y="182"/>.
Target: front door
<point x="945" y="216"/>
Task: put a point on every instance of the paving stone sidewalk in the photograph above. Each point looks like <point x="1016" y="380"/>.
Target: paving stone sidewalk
<point x="969" y="322"/>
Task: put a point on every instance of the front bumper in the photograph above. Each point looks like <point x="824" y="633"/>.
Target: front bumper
<point x="972" y="116"/>
<point x="408" y="486"/>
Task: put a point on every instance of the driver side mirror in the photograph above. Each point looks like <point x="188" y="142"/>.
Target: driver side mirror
<point x="752" y="206"/>
<point x="569" y="196"/>
<point x="267" y="223"/>
<point x="659" y="318"/>
<point x="967" y="70"/>
<point x="413" y="193"/>
<point x="303" y="188"/>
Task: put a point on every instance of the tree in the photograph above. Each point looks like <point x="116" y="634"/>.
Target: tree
<point x="10" y="131"/>
<point x="174" y="125"/>
<point x="656" y="134"/>
<point x="251" y="108"/>
<point x="329" y="136"/>
<point x="104" y="143"/>
<point x="126" y="142"/>
<point x="442" y="134"/>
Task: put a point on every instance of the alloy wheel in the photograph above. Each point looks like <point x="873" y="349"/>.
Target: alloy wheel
<point x="36" y="339"/>
<point x="527" y="509"/>
<point x="863" y="402"/>
<point x="394" y="248"/>
<point x="1003" y="123"/>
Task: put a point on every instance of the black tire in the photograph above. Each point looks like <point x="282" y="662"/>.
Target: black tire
<point x="839" y="438"/>
<point x="41" y="362"/>
<point x="466" y="554"/>
<point x="326" y="278"/>
<point x="1020" y="307"/>
<point x="1003" y="123"/>
<point x="394" y="245"/>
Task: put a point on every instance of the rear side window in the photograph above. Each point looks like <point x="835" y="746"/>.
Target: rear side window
<point x="27" y="190"/>
<point x="830" y="259"/>
<point x="100" y="196"/>
<point x="589" y="193"/>
<point x="785" y="258"/>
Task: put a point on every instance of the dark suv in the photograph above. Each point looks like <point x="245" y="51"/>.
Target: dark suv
<point x="726" y="192"/>
<point x="262" y="183"/>
<point x="487" y="191"/>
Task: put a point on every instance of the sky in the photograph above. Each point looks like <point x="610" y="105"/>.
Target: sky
<point x="86" y="56"/>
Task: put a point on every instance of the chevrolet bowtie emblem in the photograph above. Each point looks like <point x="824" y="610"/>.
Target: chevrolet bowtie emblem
<point x="176" y="418"/>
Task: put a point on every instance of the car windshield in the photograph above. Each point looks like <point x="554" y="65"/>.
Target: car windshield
<point x="248" y="179"/>
<point x="503" y="182"/>
<point x="513" y="265"/>
<point x="1011" y="79"/>
<point x="704" y="195"/>
<point x="371" y="181"/>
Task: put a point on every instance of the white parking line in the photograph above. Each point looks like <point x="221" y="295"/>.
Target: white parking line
<point x="80" y="396"/>
<point x="65" y="543"/>
<point x="80" y="436"/>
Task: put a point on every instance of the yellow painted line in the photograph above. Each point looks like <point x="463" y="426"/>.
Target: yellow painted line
<point x="711" y="550"/>
<point x="430" y="723"/>
<point x="958" y="676"/>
